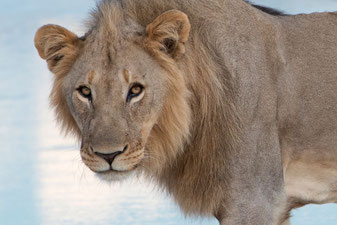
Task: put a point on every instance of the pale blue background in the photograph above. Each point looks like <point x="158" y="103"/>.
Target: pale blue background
<point x="42" y="180"/>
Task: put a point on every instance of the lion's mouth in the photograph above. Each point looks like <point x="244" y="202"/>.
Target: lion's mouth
<point x="114" y="175"/>
<point x="111" y="170"/>
<point x="112" y="164"/>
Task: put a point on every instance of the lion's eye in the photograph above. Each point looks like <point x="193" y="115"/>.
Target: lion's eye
<point x="134" y="91"/>
<point x="84" y="91"/>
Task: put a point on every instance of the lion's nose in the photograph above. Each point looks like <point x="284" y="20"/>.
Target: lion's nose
<point x="109" y="157"/>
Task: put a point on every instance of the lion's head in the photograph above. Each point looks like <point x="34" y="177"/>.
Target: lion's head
<point x="120" y="89"/>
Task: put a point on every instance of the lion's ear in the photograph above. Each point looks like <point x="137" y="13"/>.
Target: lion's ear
<point x="168" y="33"/>
<point x="58" y="46"/>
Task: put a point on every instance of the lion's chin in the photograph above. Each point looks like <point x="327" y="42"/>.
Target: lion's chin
<point x="112" y="175"/>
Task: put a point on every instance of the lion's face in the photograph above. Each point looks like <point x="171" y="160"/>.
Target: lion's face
<point x="115" y="107"/>
<point x="122" y="96"/>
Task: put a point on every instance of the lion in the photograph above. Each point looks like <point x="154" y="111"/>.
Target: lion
<point x="232" y="109"/>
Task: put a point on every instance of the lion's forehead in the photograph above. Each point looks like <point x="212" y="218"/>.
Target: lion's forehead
<point x="106" y="57"/>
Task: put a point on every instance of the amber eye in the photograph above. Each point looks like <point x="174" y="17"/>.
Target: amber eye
<point x="84" y="91"/>
<point x="134" y="91"/>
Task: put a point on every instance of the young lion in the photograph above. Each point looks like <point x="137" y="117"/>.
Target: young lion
<point x="232" y="110"/>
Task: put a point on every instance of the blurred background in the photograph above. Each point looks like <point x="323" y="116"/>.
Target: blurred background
<point x="42" y="180"/>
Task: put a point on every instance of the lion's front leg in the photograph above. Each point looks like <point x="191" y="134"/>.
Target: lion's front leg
<point x="256" y="212"/>
<point x="256" y="194"/>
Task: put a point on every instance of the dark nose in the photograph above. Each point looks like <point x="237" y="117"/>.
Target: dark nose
<point x="109" y="157"/>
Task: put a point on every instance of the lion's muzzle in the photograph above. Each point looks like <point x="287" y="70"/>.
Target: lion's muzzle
<point x="101" y="160"/>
